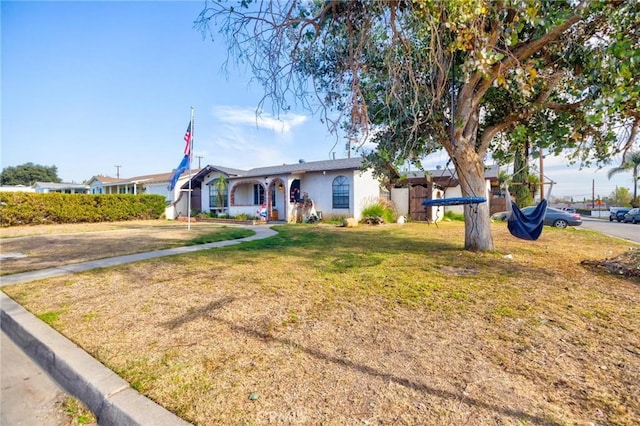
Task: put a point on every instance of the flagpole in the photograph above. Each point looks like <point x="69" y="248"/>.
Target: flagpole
<point x="190" y="156"/>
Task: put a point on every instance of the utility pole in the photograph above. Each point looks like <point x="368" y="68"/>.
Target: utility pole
<point x="199" y="157"/>
<point x="117" y="171"/>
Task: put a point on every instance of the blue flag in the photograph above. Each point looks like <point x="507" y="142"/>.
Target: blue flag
<point x="182" y="167"/>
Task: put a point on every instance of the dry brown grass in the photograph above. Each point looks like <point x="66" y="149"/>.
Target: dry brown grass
<point x="377" y="325"/>
<point x="47" y="246"/>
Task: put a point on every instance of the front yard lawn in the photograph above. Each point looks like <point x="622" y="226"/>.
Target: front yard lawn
<point x="385" y="324"/>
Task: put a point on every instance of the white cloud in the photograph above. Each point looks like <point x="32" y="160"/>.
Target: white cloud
<point x="244" y="147"/>
<point x="248" y="117"/>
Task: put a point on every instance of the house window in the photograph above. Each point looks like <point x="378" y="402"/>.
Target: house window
<point x="258" y="194"/>
<point x="340" y="193"/>
<point x="218" y="200"/>
<point x="294" y="194"/>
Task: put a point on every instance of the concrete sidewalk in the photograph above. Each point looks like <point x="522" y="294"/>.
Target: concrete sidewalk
<point x="106" y="394"/>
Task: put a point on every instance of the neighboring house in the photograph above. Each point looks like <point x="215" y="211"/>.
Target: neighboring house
<point x="336" y="187"/>
<point x="44" y="187"/>
<point x="65" y="188"/>
<point x="17" y="188"/>
<point x="101" y="184"/>
<point x="147" y="184"/>
<point x="417" y="186"/>
<point x="448" y="180"/>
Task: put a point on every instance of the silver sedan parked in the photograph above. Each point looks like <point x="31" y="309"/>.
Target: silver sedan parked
<point x="553" y="217"/>
<point x="632" y="216"/>
<point x="557" y="218"/>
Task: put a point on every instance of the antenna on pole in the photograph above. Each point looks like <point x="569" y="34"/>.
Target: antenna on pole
<point x="347" y="146"/>
<point x="117" y="171"/>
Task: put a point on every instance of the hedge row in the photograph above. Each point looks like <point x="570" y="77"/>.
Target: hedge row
<point x="28" y="208"/>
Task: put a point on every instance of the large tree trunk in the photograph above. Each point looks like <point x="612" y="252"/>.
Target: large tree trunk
<point x="477" y="221"/>
<point x="470" y="169"/>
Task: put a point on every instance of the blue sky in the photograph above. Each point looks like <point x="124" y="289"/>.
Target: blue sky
<point x="88" y="86"/>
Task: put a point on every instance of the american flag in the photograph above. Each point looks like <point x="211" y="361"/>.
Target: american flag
<point x="187" y="139"/>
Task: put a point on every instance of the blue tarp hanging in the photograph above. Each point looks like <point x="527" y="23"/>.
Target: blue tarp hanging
<point x="527" y="226"/>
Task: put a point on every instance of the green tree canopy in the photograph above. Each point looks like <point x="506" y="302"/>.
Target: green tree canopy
<point x="28" y="174"/>
<point x="620" y="197"/>
<point x="415" y="76"/>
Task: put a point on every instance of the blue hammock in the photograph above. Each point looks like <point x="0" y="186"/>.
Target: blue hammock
<point x="453" y="201"/>
<point x="527" y="226"/>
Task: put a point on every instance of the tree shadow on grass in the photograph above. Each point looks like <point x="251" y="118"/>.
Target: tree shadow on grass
<point x="193" y="314"/>
<point x="207" y="312"/>
<point x="339" y="251"/>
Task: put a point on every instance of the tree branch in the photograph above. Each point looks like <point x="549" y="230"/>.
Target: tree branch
<point x="633" y="133"/>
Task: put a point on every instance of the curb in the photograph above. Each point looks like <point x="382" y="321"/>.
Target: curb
<point x="106" y="394"/>
<point x="109" y="397"/>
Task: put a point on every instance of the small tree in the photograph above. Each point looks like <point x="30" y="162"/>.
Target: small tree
<point x="221" y="185"/>
<point x="620" y="197"/>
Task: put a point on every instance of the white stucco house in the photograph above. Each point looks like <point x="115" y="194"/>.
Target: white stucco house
<point x="46" y="187"/>
<point x="17" y="188"/>
<point x="64" y="187"/>
<point x="294" y="192"/>
<point x="338" y="187"/>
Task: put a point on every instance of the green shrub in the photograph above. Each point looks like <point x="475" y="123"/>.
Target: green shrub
<point x="28" y="208"/>
<point x="380" y="208"/>
<point x="456" y="217"/>
<point x="333" y="219"/>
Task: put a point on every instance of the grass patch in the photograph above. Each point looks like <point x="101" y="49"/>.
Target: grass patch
<point x="51" y="317"/>
<point x="222" y="234"/>
<point x="78" y="412"/>
<point x="449" y="215"/>
<point x="49" y="246"/>
<point x="505" y="311"/>
<point x="385" y="324"/>
<point x="90" y="316"/>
